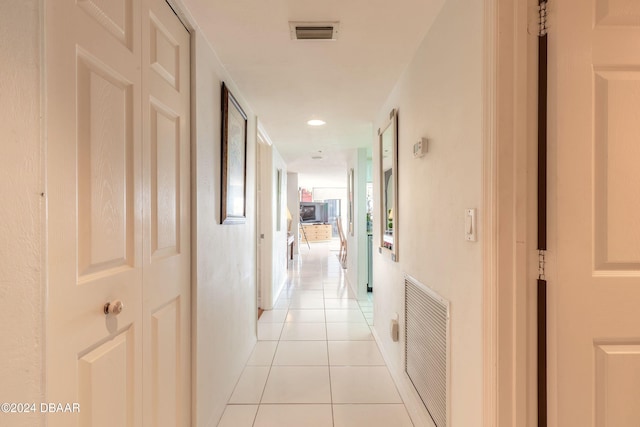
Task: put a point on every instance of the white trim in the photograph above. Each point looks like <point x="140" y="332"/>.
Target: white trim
<point x="263" y="136"/>
<point x="510" y="259"/>
<point x="184" y="19"/>
<point x="44" y="223"/>
<point x="489" y="217"/>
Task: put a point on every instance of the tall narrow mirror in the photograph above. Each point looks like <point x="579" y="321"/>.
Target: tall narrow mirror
<point x="388" y="136"/>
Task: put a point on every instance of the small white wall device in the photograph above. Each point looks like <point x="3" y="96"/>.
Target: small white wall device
<point x="395" y="328"/>
<point x="470" y="224"/>
<point x="420" y="148"/>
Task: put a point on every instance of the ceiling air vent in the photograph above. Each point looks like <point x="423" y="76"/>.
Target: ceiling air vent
<point x="314" y="30"/>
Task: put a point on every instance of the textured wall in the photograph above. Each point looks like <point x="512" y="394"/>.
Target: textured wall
<point x="439" y="97"/>
<point x="21" y="210"/>
<point x="225" y="260"/>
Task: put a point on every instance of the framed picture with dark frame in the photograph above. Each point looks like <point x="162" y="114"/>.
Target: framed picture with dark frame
<point x="234" y="161"/>
<point x="350" y="200"/>
<point x="279" y="200"/>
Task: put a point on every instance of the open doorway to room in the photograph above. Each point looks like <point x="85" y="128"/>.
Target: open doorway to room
<point x="321" y="211"/>
<point x="272" y="222"/>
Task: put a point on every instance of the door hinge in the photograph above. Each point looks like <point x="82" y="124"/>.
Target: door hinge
<point x="542" y="264"/>
<point x="542" y="19"/>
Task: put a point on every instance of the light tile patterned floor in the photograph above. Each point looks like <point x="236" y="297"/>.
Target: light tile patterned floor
<point x="316" y="363"/>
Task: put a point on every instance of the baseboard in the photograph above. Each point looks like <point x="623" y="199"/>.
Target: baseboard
<point x="417" y="412"/>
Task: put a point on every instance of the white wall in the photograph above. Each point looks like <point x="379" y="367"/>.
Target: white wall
<point x="21" y="211"/>
<point x="224" y="268"/>
<point x="279" y="242"/>
<point x="293" y="203"/>
<point x="357" y="244"/>
<point x="439" y="97"/>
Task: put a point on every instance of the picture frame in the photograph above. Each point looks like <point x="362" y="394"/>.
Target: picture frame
<point x="350" y="212"/>
<point x="388" y="173"/>
<point x="234" y="160"/>
<point x="279" y="200"/>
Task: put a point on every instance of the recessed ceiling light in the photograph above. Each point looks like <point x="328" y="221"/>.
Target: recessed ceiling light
<point x="316" y="122"/>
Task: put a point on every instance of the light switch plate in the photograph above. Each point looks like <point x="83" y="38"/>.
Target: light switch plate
<point x="470" y="225"/>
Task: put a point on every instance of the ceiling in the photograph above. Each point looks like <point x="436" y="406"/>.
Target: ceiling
<point x="343" y="82"/>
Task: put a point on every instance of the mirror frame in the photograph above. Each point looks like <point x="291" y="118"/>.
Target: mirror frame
<point x="392" y="123"/>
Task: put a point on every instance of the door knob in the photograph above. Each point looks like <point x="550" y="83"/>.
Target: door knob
<point x="114" y="307"/>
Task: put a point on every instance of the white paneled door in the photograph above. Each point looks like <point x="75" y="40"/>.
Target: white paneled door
<point x="594" y="288"/>
<point x="166" y="217"/>
<point x="118" y="181"/>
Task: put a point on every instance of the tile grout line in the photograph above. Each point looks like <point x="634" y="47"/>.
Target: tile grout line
<point x="326" y="331"/>
<point x="324" y="270"/>
<point x="269" y="373"/>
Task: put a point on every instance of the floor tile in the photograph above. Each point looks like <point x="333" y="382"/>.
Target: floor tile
<point x="263" y="353"/>
<point x="304" y="332"/>
<point x="316" y="303"/>
<point x="238" y="416"/>
<point x="348" y="331"/>
<point x="282" y="303"/>
<point x="273" y="316"/>
<point x="363" y="384"/>
<point x="250" y="385"/>
<point x="301" y="353"/>
<point x="306" y="286"/>
<point x="297" y="384"/>
<point x="338" y="293"/>
<point x="294" y="416"/>
<point x="371" y="416"/>
<point x="269" y="331"/>
<point x="306" y="294"/>
<point x="366" y="309"/>
<point x="305" y="316"/>
<point x="342" y="303"/>
<point x="296" y="377"/>
<point x="348" y="316"/>
<point x="354" y="353"/>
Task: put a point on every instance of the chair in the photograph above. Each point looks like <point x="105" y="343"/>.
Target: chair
<point x="342" y="255"/>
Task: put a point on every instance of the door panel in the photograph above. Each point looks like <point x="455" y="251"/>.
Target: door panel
<point x="167" y="262"/>
<point x="105" y="169"/>
<point x="105" y="394"/>
<point x="594" y="251"/>
<point x="166" y="355"/>
<point x="116" y="16"/>
<point x="617" y="379"/>
<point x="94" y="224"/>
<point x="617" y="225"/>
<point x="164" y="179"/>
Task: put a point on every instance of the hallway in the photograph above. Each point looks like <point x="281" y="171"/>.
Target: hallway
<point x="316" y="363"/>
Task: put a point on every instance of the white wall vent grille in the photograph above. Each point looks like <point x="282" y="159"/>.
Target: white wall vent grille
<point x="427" y="348"/>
